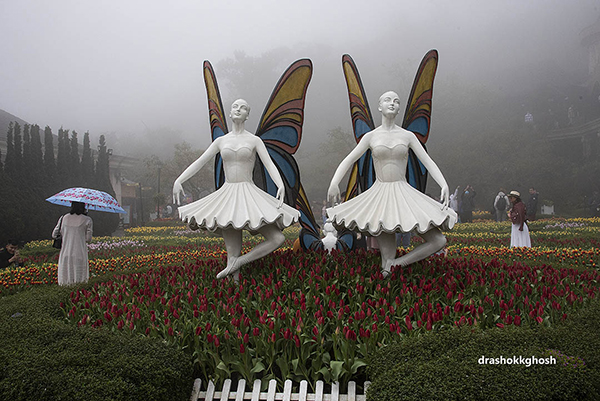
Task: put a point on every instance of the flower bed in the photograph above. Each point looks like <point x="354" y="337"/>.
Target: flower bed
<point x="318" y="317"/>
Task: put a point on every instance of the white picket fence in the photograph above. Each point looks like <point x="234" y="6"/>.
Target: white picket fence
<point x="240" y="393"/>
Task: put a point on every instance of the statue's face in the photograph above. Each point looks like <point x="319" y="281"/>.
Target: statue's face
<point x="239" y="110"/>
<point x="389" y="103"/>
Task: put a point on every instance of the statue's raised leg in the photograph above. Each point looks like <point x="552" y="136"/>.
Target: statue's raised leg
<point x="434" y="241"/>
<point x="273" y="240"/>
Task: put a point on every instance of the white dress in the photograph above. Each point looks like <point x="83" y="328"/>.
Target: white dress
<point x="391" y="204"/>
<point x="520" y="238"/>
<point x="239" y="203"/>
<point x="73" y="266"/>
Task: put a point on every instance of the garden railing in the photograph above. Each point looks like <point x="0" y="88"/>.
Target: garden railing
<point x="240" y="393"/>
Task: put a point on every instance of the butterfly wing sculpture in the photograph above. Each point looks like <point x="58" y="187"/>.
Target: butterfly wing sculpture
<point x="417" y="118"/>
<point x="218" y="124"/>
<point x="280" y="128"/>
<point x="362" y="175"/>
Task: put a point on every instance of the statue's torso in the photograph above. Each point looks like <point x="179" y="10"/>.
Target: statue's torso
<point x="238" y="156"/>
<point x="390" y="154"/>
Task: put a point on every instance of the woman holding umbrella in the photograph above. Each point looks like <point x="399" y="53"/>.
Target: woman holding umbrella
<point x="75" y="229"/>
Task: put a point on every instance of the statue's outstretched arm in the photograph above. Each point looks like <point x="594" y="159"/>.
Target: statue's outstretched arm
<point x="345" y="165"/>
<point x="432" y="168"/>
<point x="263" y="154"/>
<point x="193" y="168"/>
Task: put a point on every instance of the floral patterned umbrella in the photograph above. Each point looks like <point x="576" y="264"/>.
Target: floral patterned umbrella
<point x="94" y="199"/>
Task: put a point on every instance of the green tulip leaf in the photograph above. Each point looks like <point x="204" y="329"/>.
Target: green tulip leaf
<point x="336" y="369"/>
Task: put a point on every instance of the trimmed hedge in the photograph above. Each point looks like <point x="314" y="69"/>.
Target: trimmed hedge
<point x="445" y="365"/>
<point x="43" y="357"/>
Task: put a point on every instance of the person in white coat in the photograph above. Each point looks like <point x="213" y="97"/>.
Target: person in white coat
<point x="75" y="228"/>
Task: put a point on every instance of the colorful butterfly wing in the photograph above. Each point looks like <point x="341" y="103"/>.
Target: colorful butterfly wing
<point x="417" y="117"/>
<point x="363" y="173"/>
<point x="288" y="169"/>
<point x="352" y="188"/>
<point x="281" y="122"/>
<point x="309" y="233"/>
<point x="218" y="124"/>
<point x="280" y="128"/>
<point x="346" y="240"/>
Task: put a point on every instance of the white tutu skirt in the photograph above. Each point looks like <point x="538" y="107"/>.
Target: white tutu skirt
<point x="520" y="238"/>
<point x="239" y="205"/>
<point x="392" y="207"/>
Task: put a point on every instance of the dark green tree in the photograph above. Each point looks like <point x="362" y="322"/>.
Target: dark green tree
<point x="10" y="167"/>
<point x="74" y="162"/>
<point x="27" y="160"/>
<point x="62" y="158"/>
<point x="87" y="162"/>
<point x="37" y="162"/>
<point x="18" y="151"/>
<point x="49" y="161"/>
<point x="104" y="223"/>
<point x="102" y="171"/>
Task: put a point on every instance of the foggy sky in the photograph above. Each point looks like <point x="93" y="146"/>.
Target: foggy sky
<point x="129" y="66"/>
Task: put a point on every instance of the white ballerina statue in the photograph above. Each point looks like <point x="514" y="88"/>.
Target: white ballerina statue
<point x="258" y="195"/>
<point x="390" y="165"/>
<point x="239" y="204"/>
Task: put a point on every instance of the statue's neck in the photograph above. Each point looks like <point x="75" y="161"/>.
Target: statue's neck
<point x="388" y="123"/>
<point x="238" y="127"/>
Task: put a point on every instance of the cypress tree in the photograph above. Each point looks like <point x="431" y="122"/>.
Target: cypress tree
<point x="18" y="150"/>
<point x="9" y="161"/>
<point x="27" y="160"/>
<point x="102" y="172"/>
<point x="74" y="163"/>
<point x="49" y="162"/>
<point x="87" y="163"/>
<point x="62" y="157"/>
<point x="104" y="223"/>
<point x="37" y="162"/>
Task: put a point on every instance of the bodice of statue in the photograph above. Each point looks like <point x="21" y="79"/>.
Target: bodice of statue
<point x="390" y="154"/>
<point x="238" y="158"/>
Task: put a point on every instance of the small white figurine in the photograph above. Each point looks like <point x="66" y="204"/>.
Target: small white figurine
<point x="391" y="204"/>
<point x="239" y="204"/>
<point x="330" y="239"/>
